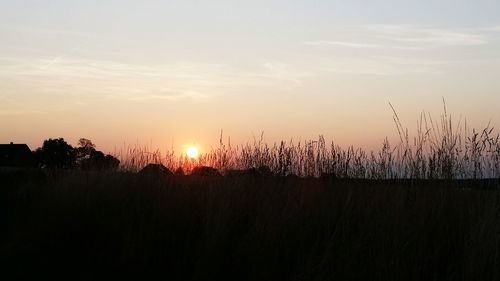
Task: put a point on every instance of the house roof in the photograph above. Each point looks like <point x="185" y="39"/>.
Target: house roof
<point x="16" y="155"/>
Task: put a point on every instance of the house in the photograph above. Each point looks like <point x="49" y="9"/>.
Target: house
<point x="16" y="155"/>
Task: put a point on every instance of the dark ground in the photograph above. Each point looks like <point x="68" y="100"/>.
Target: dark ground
<point x="88" y="226"/>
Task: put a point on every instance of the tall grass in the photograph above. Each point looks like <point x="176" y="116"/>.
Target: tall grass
<point x="438" y="150"/>
<point x="112" y="225"/>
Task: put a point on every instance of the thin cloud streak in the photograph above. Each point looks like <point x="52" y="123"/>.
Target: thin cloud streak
<point x="109" y="79"/>
<point x="407" y="37"/>
<point x="383" y="66"/>
<point x="324" y="43"/>
<point x="397" y="49"/>
<point x="46" y="31"/>
<point x="425" y="37"/>
<point x="20" y="112"/>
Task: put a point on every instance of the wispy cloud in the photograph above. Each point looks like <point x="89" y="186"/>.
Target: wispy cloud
<point x="324" y="43"/>
<point x="383" y="66"/>
<point x="425" y="37"/>
<point x="15" y="112"/>
<point x="383" y="49"/>
<point x="45" y="31"/>
<point x="405" y="37"/>
<point x="90" y="79"/>
<point x="494" y="28"/>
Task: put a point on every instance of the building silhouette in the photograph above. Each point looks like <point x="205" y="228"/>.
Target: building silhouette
<point x="16" y="155"/>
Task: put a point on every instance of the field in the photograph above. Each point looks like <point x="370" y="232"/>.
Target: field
<point x="99" y="225"/>
<point x="427" y="208"/>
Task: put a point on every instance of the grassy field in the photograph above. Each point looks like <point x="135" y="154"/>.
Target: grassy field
<point x="427" y="208"/>
<point x="85" y="226"/>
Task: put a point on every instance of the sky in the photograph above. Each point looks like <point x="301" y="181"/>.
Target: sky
<point x="167" y="74"/>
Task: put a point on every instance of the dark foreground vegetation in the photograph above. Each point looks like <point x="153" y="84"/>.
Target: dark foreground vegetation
<point x="427" y="208"/>
<point x="87" y="225"/>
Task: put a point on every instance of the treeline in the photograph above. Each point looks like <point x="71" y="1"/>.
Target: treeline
<point x="58" y="154"/>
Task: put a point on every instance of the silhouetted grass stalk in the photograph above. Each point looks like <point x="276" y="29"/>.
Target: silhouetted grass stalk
<point x="438" y="151"/>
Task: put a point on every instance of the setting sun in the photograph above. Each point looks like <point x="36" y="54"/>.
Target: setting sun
<point x="192" y="152"/>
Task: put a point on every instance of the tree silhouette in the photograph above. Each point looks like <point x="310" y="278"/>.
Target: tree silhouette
<point x="85" y="146"/>
<point x="88" y="158"/>
<point x="83" y="153"/>
<point x="56" y="153"/>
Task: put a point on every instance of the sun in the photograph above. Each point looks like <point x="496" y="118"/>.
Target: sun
<point x="192" y="152"/>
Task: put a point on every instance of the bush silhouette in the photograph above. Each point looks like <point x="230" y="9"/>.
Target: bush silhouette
<point x="155" y="170"/>
<point x="204" y="171"/>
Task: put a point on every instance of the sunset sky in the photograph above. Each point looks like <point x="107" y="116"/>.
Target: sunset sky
<point x="173" y="73"/>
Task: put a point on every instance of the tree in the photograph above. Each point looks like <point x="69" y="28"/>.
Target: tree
<point x="56" y="153"/>
<point x="83" y="152"/>
<point x="86" y="146"/>
<point x="88" y="158"/>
